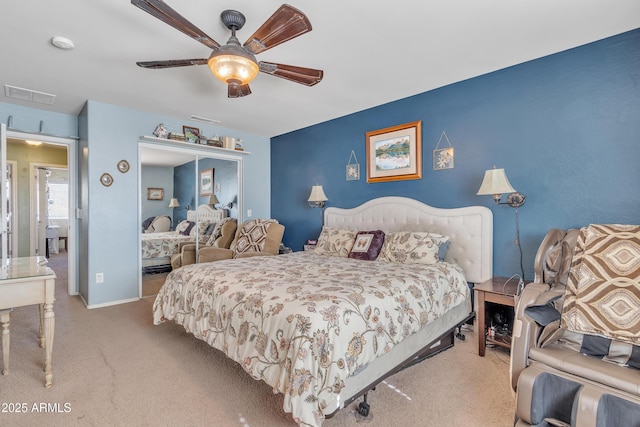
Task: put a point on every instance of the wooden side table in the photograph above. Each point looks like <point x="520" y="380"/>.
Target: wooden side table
<point x="498" y="290"/>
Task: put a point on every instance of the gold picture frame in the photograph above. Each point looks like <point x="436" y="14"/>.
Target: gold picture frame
<point x="395" y="153"/>
<point x="206" y="182"/>
<point x="155" y="193"/>
<point x="191" y="134"/>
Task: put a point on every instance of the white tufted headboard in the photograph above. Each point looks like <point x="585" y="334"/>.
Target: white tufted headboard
<point x="470" y="229"/>
<point x="206" y="213"/>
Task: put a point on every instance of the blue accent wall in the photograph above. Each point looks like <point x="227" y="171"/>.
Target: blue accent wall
<point x="566" y="129"/>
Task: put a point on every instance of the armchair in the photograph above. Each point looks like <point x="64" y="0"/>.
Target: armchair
<point x="221" y="238"/>
<point x="257" y="237"/>
<point x="563" y="373"/>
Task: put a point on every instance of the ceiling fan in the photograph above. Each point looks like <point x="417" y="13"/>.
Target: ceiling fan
<point x="233" y="63"/>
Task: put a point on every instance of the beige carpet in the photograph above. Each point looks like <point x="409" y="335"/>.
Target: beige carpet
<point x="151" y="284"/>
<point x="112" y="367"/>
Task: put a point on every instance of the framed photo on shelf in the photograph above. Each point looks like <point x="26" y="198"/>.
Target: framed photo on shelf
<point x="191" y="134"/>
<point x="395" y="153"/>
<point x="155" y="193"/>
<point x="206" y="182"/>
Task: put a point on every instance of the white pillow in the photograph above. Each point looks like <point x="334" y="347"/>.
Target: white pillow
<point x="335" y="242"/>
<point x="412" y="247"/>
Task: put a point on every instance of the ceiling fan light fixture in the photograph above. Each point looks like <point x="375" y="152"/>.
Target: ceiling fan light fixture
<point x="227" y="65"/>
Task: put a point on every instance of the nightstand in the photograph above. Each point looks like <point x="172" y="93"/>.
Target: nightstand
<point x="495" y="302"/>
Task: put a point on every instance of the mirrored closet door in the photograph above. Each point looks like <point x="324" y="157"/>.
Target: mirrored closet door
<point x="182" y="191"/>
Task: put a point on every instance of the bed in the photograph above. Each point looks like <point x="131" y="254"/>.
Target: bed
<point x="323" y="330"/>
<point x="157" y="248"/>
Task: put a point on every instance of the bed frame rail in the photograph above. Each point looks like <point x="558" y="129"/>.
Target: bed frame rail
<point x="440" y="344"/>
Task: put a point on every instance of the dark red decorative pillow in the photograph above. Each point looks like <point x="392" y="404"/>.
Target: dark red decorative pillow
<point x="367" y="245"/>
<point x="187" y="230"/>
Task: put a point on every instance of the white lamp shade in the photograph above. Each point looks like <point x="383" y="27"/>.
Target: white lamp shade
<point x="174" y="203"/>
<point x="495" y="182"/>
<point x="213" y="200"/>
<point x="317" y="194"/>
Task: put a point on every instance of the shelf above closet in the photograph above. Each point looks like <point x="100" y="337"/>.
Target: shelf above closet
<point x="182" y="144"/>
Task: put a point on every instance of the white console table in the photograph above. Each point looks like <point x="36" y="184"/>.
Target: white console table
<point x="28" y="281"/>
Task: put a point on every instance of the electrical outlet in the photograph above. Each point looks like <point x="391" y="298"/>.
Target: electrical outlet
<point x="249" y="213"/>
<point x="99" y="277"/>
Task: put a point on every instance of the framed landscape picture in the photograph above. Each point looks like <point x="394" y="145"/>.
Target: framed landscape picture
<point x="395" y="153"/>
<point x="206" y="182"/>
<point x="155" y="194"/>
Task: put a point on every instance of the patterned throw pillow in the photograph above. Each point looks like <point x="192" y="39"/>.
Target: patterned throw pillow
<point x="146" y="223"/>
<point x="367" y="245"/>
<point x="217" y="230"/>
<point x="252" y="236"/>
<point x="335" y="242"/>
<point x="185" y="227"/>
<point x="202" y="228"/>
<point x="603" y="292"/>
<point x="412" y="247"/>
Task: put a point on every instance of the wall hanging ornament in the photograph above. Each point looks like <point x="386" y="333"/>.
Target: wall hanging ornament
<point x="106" y="179"/>
<point x="443" y="157"/>
<point x="353" y="169"/>
<point x="123" y="166"/>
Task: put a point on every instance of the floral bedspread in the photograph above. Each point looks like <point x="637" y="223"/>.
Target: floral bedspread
<point x="302" y="322"/>
<point x="164" y="244"/>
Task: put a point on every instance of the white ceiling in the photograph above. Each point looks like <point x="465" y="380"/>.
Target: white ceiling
<point x="372" y="52"/>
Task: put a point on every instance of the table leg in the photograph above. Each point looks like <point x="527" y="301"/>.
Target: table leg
<point x="49" y="323"/>
<point x="4" y="321"/>
<point x="41" y="330"/>
<point x="481" y="320"/>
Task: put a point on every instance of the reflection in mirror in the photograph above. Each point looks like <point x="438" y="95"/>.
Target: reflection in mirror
<point x="168" y="225"/>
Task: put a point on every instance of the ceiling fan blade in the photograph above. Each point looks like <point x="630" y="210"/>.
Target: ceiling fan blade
<point x="163" y="12"/>
<point x="171" y="63"/>
<point x="238" y="91"/>
<point x="305" y="76"/>
<point x="286" y="23"/>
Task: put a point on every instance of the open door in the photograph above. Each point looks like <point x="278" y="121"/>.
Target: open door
<point x="3" y="192"/>
<point x="41" y="212"/>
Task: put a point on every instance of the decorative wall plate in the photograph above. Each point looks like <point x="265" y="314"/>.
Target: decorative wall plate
<point x="123" y="166"/>
<point x="106" y="179"/>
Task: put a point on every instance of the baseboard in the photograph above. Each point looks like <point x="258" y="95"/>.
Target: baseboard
<point x="107" y="304"/>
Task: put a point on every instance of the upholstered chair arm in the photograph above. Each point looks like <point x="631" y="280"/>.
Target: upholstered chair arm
<point x="274" y="238"/>
<point x="209" y="254"/>
<point x="525" y="330"/>
<point x="188" y="254"/>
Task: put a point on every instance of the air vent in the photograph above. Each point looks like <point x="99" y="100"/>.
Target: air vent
<point x="203" y="119"/>
<point x="29" y="95"/>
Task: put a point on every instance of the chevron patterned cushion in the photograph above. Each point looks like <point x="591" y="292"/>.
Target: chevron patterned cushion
<point x="252" y="236"/>
<point x="603" y="292"/>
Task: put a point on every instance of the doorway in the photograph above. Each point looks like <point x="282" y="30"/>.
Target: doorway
<point x="52" y="153"/>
